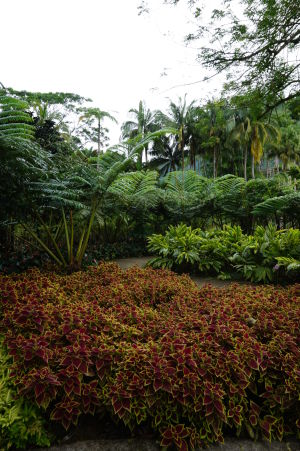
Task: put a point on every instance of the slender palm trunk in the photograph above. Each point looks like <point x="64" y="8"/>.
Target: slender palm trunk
<point x="182" y="150"/>
<point x="245" y="163"/>
<point x="253" y="167"/>
<point x="215" y="162"/>
<point x="99" y="136"/>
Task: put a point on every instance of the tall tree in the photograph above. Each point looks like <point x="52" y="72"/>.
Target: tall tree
<point x="217" y="129"/>
<point x="252" y="136"/>
<point x="165" y="155"/>
<point x="255" y="42"/>
<point x="288" y="149"/>
<point x="180" y="117"/>
<point x="143" y="121"/>
<point x="92" y="118"/>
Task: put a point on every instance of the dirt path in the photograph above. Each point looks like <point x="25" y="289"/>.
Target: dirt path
<point x="141" y="262"/>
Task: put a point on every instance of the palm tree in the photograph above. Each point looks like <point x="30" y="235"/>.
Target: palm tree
<point x="216" y="115"/>
<point x="166" y="155"/>
<point x="253" y="134"/>
<point x="288" y="149"/>
<point x="180" y="117"/>
<point x="144" y="122"/>
<point x="95" y="114"/>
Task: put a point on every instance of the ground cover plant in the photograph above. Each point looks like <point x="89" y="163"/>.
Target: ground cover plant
<point x="151" y="349"/>
<point x="267" y="255"/>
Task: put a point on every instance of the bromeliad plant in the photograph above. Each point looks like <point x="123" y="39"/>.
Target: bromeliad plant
<point x="150" y="348"/>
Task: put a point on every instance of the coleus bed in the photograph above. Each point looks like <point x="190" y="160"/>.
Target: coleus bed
<point x="149" y="346"/>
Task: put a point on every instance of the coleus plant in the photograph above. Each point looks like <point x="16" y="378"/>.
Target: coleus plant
<point x="148" y="346"/>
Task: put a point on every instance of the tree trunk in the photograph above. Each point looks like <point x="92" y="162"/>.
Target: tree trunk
<point x="245" y="163"/>
<point x="99" y="137"/>
<point x="215" y="163"/>
<point x="253" y="167"/>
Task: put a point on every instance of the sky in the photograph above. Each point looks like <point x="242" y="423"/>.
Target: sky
<point x="104" y="50"/>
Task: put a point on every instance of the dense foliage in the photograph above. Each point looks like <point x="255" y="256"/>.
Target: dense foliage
<point x="65" y="200"/>
<point x="267" y="255"/>
<point x="150" y="348"/>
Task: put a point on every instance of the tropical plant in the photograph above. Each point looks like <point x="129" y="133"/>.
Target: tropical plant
<point x="94" y="133"/>
<point x="58" y="193"/>
<point x="228" y="250"/>
<point x="178" y="248"/>
<point x="165" y="155"/>
<point x="137" y="189"/>
<point x="257" y="259"/>
<point x="144" y="122"/>
<point x="282" y="206"/>
<point x="81" y="188"/>
<point x="150" y="348"/>
<point x="180" y="116"/>
<point x="15" y="122"/>
<point x="252" y="135"/>
<point x="185" y="193"/>
<point x="21" y="422"/>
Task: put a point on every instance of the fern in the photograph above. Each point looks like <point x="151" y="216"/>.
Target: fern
<point x="138" y="189"/>
<point x="15" y="122"/>
<point x="276" y="204"/>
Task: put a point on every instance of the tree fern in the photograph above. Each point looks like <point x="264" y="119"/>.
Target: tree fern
<point x="276" y="204"/>
<point x="15" y="122"/>
<point x="137" y="188"/>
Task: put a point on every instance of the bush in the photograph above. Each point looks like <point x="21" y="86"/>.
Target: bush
<point x="21" y="424"/>
<point x="266" y="256"/>
<point x="149" y="347"/>
<point x="269" y="254"/>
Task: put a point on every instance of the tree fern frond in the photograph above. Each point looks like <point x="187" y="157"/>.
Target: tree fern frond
<point x="271" y="206"/>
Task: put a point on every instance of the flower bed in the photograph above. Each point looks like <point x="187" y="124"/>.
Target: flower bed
<point x="150" y="347"/>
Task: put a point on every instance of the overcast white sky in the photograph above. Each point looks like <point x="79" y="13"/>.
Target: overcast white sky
<point x="103" y="50"/>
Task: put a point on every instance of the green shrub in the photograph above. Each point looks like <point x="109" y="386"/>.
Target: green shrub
<point x="21" y="423"/>
<point x="150" y="348"/>
<point x="258" y="257"/>
<point x="178" y="248"/>
<point x="185" y="249"/>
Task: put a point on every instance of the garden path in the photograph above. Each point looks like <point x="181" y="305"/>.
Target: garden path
<point x="126" y="263"/>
